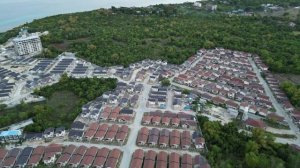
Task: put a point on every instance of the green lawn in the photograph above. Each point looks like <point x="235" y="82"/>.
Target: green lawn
<point x="63" y="102"/>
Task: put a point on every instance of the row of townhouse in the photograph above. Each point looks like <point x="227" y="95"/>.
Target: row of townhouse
<point x="150" y="158"/>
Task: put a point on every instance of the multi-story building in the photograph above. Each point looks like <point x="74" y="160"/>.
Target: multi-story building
<point x="27" y="43"/>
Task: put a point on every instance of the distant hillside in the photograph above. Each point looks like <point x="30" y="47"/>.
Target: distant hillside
<point x="168" y="32"/>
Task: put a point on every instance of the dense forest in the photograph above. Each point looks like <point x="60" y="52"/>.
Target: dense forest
<point x="253" y="5"/>
<point x="293" y="92"/>
<point x="49" y="114"/>
<point x="126" y="35"/>
<point x="228" y="147"/>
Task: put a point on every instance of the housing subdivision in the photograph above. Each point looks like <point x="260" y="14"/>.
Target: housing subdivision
<point x="142" y="123"/>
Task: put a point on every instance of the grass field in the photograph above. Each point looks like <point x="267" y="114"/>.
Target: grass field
<point x="63" y="103"/>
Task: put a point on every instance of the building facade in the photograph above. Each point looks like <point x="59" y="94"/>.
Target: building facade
<point x="27" y="43"/>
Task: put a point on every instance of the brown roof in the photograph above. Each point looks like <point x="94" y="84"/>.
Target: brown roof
<point x="110" y="135"/>
<point x="136" y="163"/>
<point x="138" y="154"/>
<point x="165" y="120"/>
<point x="100" y="134"/>
<point x="174" y="165"/>
<point x="231" y="103"/>
<point x="113" y="128"/>
<point x="142" y="137"/>
<point x="183" y="165"/>
<point x="174" y="141"/>
<point x="87" y="160"/>
<point x="162" y="156"/>
<point x="185" y="134"/>
<point x="255" y="123"/>
<point x="186" y="159"/>
<point x="3" y="153"/>
<point x="64" y="158"/>
<point x="39" y="150"/>
<point x="155" y="119"/>
<point x="94" y="126"/>
<point x="175" y="133"/>
<point x="113" y="115"/>
<point x="115" y="153"/>
<point x="92" y="151"/>
<point x="161" y="164"/>
<point x="34" y="159"/>
<point x="146" y="118"/>
<point x="80" y="150"/>
<point x="116" y="110"/>
<point x="149" y="163"/>
<point x="99" y="161"/>
<point x="124" y="128"/>
<point x="89" y="133"/>
<point x="107" y="109"/>
<point x="111" y="162"/>
<point x="121" y="136"/>
<point x="150" y="155"/>
<point x="175" y="121"/>
<point x="9" y="161"/>
<point x="144" y="131"/>
<point x="53" y="148"/>
<point x="174" y="157"/>
<point x="103" y="152"/>
<point x="104" y="115"/>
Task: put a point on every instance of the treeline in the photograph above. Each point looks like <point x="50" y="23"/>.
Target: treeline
<point x="45" y="115"/>
<point x="227" y="147"/>
<point x="254" y="5"/>
<point x="86" y="89"/>
<point x="124" y="35"/>
<point x="293" y="92"/>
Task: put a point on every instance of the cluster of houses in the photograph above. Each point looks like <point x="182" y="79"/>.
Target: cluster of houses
<point x="169" y="119"/>
<point x="280" y="96"/>
<point x="82" y="156"/>
<point x="55" y="155"/>
<point x="227" y="74"/>
<point x="91" y="110"/>
<point x="29" y="156"/>
<point x="150" y="158"/>
<point x="158" y="97"/>
<point x="101" y="133"/>
<point x="125" y="95"/>
<point x="181" y="101"/>
<point x="116" y="114"/>
<point x="165" y="138"/>
<point x="49" y="133"/>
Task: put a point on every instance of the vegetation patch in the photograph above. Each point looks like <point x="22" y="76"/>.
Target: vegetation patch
<point x="230" y="148"/>
<point x="63" y="104"/>
<point x="168" y="32"/>
<point x="293" y="92"/>
<point x="275" y="124"/>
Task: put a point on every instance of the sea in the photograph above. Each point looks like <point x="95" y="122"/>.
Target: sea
<point x="17" y="12"/>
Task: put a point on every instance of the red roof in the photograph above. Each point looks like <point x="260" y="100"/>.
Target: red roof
<point x="103" y="152"/>
<point x="162" y="156"/>
<point x="255" y="123"/>
<point x="138" y="154"/>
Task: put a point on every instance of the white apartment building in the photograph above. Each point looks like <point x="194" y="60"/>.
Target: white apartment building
<point x="27" y="43"/>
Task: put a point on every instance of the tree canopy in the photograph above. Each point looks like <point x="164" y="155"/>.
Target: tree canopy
<point x="120" y="36"/>
<point x="228" y="147"/>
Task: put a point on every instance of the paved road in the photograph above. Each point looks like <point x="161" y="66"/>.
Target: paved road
<point x="276" y="105"/>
